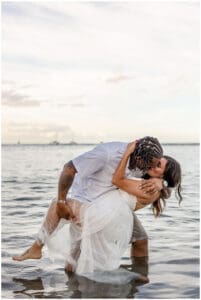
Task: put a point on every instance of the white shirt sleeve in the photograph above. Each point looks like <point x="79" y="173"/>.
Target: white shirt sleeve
<point x="90" y="162"/>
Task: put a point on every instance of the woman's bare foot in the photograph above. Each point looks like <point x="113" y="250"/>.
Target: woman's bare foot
<point x="34" y="252"/>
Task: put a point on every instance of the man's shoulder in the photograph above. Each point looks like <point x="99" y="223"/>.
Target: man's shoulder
<point x="114" y="146"/>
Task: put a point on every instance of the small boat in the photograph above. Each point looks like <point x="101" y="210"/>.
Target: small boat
<point x="72" y="143"/>
<point x="54" y="143"/>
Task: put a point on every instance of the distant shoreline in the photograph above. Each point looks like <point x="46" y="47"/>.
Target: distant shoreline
<point x="94" y="144"/>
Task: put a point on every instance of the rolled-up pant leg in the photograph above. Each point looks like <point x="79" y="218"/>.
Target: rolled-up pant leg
<point x="139" y="232"/>
<point x="139" y="239"/>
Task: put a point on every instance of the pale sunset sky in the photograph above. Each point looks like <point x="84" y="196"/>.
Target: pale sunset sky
<point x="100" y="71"/>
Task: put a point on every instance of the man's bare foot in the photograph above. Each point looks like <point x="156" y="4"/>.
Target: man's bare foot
<point x="34" y="252"/>
<point x="142" y="278"/>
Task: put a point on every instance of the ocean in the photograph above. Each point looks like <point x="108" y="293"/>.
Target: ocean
<point x="29" y="182"/>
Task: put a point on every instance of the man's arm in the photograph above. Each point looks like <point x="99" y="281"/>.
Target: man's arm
<point x="85" y="164"/>
<point x="65" y="182"/>
<point x="134" y="187"/>
<point x="129" y="185"/>
<point x="154" y="185"/>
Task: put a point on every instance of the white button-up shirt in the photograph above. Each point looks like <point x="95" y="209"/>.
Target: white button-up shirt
<point x="95" y="170"/>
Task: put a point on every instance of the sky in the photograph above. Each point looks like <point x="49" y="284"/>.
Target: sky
<point x="100" y="71"/>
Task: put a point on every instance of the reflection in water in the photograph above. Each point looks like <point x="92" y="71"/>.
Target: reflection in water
<point x="56" y="285"/>
<point x="174" y="256"/>
<point x="29" y="286"/>
<point x="138" y="265"/>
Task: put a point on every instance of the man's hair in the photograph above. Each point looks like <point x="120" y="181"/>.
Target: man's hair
<point x="146" y="149"/>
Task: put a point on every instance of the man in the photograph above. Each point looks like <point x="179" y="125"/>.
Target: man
<point x="90" y="176"/>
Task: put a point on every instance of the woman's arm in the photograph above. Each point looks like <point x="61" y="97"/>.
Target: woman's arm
<point x="129" y="185"/>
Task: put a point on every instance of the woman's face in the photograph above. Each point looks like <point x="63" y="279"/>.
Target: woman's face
<point x="158" y="169"/>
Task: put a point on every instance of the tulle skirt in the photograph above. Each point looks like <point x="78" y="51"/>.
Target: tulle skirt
<point x="100" y="238"/>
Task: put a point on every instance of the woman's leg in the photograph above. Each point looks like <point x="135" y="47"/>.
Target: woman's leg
<point x="49" y="225"/>
<point x="34" y="252"/>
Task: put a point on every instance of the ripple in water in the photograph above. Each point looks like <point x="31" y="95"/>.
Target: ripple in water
<point x="173" y="267"/>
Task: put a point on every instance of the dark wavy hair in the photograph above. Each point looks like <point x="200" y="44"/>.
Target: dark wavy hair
<point x="173" y="176"/>
<point x="146" y="149"/>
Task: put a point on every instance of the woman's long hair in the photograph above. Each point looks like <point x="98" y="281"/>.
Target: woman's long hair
<point x="172" y="175"/>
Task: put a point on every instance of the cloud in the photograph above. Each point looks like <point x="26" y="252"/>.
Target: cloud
<point x="37" y="12"/>
<point x="118" y="78"/>
<point x="145" y="35"/>
<point x="92" y="62"/>
<point x="14" y="99"/>
<point x="72" y="105"/>
<point x="40" y="127"/>
<point x="74" y="102"/>
<point x="42" y="132"/>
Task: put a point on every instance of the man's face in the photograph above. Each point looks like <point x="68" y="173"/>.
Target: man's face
<point x="158" y="167"/>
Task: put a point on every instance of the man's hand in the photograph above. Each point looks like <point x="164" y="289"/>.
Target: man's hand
<point x="131" y="147"/>
<point x="64" y="211"/>
<point x="151" y="185"/>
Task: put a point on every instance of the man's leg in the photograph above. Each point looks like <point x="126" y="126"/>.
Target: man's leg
<point x="74" y="249"/>
<point x="139" y="239"/>
<point x="75" y="253"/>
<point x="139" y="248"/>
<point x="140" y="265"/>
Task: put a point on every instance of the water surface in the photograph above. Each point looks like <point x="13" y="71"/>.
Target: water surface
<point x="29" y="182"/>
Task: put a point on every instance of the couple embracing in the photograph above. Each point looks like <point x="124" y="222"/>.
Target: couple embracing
<point x="108" y="184"/>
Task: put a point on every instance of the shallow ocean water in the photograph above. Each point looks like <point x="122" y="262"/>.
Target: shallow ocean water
<point x="29" y="181"/>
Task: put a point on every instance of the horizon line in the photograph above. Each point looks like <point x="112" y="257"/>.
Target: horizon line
<point x="89" y="143"/>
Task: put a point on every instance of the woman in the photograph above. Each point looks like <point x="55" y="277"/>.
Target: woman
<point x="104" y="227"/>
